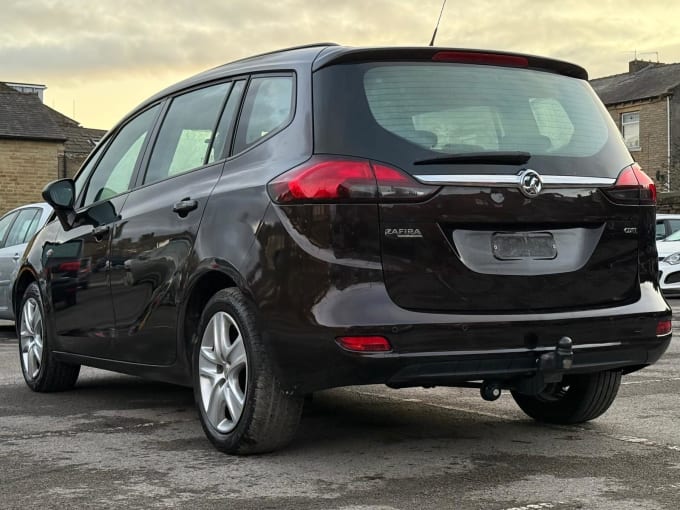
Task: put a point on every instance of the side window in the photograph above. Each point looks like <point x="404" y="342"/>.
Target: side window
<point x="185" y="136"/>
<point x="675" y="225"/>
<point x="660" y="229"/>
<point x="5" y="222"/>
<point x="114" y="170"/>
<point x="267" y="108"/>
<point x="84" y="173"/>
<point x="21" y="226"/>
<point x="222" y="135"/>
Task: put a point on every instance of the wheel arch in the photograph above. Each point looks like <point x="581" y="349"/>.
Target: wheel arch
<point x="24" y="278"/>
<point x="209" y="278"/>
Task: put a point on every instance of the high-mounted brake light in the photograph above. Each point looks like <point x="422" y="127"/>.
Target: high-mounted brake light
<point x="346" y="180"/>
<point x="633" y="186"/>
<point x="490" y="59"/>
<point x="365" y="343"/>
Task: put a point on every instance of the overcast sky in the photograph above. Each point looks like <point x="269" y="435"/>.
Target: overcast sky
<point x="109" y="55"/>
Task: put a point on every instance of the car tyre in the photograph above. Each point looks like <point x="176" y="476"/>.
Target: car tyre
<point x="42" y="371"/>
<point x="241" y="404"/>
<point x="577" y="399"/>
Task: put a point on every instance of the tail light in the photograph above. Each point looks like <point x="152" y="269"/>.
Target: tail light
<point x="633" y="186"/>
<point x="346" y="180"/>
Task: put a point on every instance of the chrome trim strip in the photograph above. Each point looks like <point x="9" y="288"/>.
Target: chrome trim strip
<point x="495" y="180"/>
<point x="515" y="350"/>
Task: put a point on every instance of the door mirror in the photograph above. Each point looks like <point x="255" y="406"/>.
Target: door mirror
<point x="60" y="194"/>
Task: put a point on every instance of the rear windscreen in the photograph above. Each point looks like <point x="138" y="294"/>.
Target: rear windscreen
<point x="413" y="110"/>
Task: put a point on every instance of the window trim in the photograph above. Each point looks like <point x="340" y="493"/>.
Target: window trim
<point x="623" y="130"/>
<point x="293" y="112"/>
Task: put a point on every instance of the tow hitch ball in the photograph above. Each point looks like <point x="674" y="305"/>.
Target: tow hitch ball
<point x="550" y="368"/>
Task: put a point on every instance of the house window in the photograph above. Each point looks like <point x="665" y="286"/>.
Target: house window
<point x="630" y="127"/>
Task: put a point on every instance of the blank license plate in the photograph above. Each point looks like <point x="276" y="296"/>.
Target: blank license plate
<point x="523" y="245"/>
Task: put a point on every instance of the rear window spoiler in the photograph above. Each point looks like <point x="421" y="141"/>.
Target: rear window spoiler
<point x="342" y="55"/>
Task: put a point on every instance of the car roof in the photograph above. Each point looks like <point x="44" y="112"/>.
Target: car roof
<point x="319" y="55"/>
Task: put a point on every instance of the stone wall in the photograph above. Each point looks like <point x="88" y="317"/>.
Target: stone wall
<point x="25" y="167"/>
<point x="668" y="202"/>
<point x="653" y="153"/>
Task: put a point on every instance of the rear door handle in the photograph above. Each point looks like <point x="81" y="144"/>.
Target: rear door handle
<point x="184" y="206"/>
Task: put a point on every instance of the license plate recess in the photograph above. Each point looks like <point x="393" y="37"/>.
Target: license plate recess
<point x="523" y="246"/>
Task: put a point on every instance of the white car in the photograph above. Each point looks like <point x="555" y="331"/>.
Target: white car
<point x="669" y="264"/>
<point x="16" y="229"/>
<point x="666" y="224"/>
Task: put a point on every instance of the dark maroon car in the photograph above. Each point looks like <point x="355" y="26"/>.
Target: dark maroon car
<point x="328" y="216"/>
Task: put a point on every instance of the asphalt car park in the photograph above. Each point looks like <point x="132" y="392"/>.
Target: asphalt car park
<point x="118" y="441"/>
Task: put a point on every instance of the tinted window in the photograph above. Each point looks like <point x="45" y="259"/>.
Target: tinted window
<point x="21" y="227"/>
<point x="222" y="134"/>
<point x="186" y="134"/>
<point x="473" y="108"/>
<point x="5" y="222"/>
<point x="267" y="108"/>
<point x="114" y="170"/>
<point x="675" y="225"/>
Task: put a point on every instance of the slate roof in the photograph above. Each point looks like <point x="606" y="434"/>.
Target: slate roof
<point x="79" y="140"/>
<point x="23" y="116"/>
<point x="652" y="81"/>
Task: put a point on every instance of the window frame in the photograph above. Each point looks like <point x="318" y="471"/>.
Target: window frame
<point x="623" y="130"/>
<point x="293" y="111"/>
<point x="143" y="151"/>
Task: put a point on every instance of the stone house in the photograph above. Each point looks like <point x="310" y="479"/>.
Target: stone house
<point x="645" y="104"/>
<point x="37" y="145"/>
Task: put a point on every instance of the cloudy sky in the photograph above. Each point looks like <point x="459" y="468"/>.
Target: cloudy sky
<point x="109" y="55"/>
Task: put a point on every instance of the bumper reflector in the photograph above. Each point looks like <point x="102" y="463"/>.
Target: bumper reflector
<point x="664" y="327"/>
<point x="364" y="343"/>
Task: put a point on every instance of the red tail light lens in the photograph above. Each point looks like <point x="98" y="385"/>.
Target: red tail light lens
<point x="346" y="180"/>
<point x="633" y="186"/>
<point x="491" y="59"/>
<point x="664" y="327"/>
<point x="365" y="343"/>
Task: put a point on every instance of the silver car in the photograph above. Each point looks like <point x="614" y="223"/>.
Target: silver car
<point x="16" y="229"/>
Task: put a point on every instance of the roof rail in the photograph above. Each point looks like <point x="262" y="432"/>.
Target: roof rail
<point x="301" y="47"/>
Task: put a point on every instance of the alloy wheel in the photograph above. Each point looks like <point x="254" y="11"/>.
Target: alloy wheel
<point x="223" y="371"/>
<point x="31" y="338"/>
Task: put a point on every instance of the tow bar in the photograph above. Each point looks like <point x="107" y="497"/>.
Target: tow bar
<point x="550" y="367"/>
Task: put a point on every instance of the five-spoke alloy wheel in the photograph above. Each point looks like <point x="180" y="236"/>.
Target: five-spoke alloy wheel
<point x="242" y="407"/>
<point x="223" y="369"/>
<point x="42" y="370"/>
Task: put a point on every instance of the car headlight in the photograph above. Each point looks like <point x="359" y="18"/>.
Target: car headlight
<point x="673" y="259"/>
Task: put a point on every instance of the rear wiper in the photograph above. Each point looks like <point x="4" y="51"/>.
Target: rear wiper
<point x="479" y="158"/>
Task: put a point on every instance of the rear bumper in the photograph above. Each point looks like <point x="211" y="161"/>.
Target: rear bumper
<point x="447" y="350"/>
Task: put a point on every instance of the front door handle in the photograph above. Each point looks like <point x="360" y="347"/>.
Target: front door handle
<point x="16" y="257"/>
<point x="184" y="207"/>
<point x="100" y="232"/>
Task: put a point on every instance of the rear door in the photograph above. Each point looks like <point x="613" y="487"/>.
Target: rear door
<point x="154" y="236"/>
<point x="521" y="158"/>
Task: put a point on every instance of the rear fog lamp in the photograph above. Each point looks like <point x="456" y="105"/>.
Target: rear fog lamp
<point x="364" y="343"/>
<point x="664" y="327"/>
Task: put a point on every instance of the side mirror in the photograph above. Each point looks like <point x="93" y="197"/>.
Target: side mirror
<point x="61" y="196"/>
